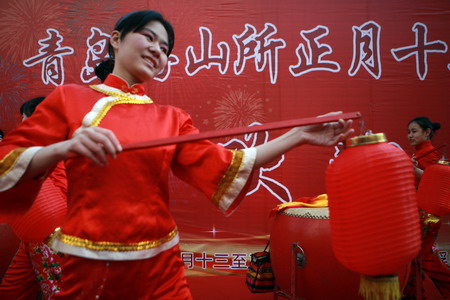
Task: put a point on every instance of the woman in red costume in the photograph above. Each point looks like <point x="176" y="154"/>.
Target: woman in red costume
<point x="35" y="269"/>
<point x="420" y="133"/>
<point x="119" y="238"/>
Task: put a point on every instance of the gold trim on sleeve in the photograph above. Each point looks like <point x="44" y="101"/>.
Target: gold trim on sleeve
<point x="8" y="162"/>
<point x="110" y="246"/>
<point x="229" y="177"/>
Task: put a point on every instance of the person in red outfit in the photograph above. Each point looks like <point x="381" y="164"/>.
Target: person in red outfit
<point x="35" y="270"/>
<point x="420" y="132"/>
<point x="119" y="238"/>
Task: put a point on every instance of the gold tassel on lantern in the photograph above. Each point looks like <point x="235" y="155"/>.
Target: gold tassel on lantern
<point x="431" y="219"/>
<point x="379" y="287"/>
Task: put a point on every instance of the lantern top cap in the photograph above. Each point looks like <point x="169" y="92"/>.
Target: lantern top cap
<point x="444" y="162"/>
<point x="366" y="139"/>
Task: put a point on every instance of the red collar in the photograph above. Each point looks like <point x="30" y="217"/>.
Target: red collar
<point x="119" y="83"/>
<point x="424" y="146"/>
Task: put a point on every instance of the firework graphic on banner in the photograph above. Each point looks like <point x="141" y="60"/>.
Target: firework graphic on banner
<point x="81" y="15"/>
<point x="13" y="90"/>
<point x="238" y="108"/>
<point x="30" y="20"/>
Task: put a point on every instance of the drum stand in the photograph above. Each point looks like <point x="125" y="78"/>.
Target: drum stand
<point x="298" y="261"/>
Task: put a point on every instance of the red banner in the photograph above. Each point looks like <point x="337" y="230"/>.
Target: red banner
<point x="242" y="63"/>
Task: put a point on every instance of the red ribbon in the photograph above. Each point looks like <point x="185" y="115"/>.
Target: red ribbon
<point x="240" y="130"/>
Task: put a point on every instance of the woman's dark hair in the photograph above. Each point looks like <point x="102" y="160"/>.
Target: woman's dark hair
<point x="425" y="123"/>
<point x="28" y="107"/>
<point x="133" y="22"/>
<point x="1" y="134"/>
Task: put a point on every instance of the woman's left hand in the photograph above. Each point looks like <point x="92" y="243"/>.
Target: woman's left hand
<point x="327" y="134"/>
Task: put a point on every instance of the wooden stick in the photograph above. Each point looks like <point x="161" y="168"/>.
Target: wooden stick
<point x="240" y="130"/>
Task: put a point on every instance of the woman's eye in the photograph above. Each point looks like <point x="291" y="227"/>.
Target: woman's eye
<point x="149" y="37"/>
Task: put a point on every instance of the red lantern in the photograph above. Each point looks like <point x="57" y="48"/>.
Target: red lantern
<point x="373" y="212"/>
<point x="433" y="194"/>
<point x="44" y="216"/>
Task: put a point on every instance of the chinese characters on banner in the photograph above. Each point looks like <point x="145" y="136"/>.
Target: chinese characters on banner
<point x="218" y="261"/>
<point x="51" y="56"/>
<point x="261" y="47"/>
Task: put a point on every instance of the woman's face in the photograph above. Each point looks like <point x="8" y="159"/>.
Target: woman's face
<point x="416" y="135"/>
<point x="141" y="55"/>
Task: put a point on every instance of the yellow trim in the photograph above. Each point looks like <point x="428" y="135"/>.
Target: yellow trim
<point x="110" y="246"/>
<point x="115" y="94"/>
<point x="99" y="117"/>
<point x="366" y="140"/>
<point x="229" y="177"/>
<point x="122" y="98"/>
<point x="429" y="218"/>
<point x="8" y="162"/>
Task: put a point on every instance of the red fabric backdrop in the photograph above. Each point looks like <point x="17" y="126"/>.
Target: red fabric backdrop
<point x="240" y="62"/>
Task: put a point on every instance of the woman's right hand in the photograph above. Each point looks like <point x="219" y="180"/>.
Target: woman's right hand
<point x="414" y="161"/>
<point x="94" y="143"/>
<point x="418" y="172"/>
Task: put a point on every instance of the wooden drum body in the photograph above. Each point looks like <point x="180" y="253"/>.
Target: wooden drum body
<point x="303" y="261"/>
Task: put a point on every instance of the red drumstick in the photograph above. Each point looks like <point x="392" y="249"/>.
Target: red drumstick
<point x="240" y="130"/>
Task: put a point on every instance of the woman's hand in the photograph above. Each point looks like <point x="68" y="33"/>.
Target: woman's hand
<point x="414" y="161"/>
<point x="418" y="173"/>
<point x="94" y="143"/>
<point x="327" y="134"/>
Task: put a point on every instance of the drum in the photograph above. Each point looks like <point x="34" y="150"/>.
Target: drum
<point x="303" y="261"/>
